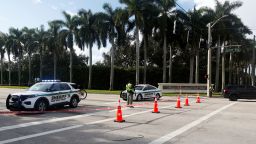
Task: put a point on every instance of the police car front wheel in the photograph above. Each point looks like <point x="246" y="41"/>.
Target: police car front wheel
<point x="41" y="105"/>
<point x="73" y="102"/>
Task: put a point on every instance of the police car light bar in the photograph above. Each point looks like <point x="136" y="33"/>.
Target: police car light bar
<point x="50" y="80"/>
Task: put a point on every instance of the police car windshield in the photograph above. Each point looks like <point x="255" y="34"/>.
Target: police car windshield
<point x="40" y="87"/>
<point x="138" y="87"/>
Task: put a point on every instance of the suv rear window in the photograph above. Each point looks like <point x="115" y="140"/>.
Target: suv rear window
<point x="75" y="86"/>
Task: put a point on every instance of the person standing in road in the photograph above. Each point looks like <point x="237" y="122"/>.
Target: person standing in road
<point x="130" y="92"/>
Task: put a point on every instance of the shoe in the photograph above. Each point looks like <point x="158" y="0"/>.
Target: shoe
<point x="131" y="106"/>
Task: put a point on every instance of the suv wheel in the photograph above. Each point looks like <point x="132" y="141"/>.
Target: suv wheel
<point x="232" y="98"/>
<point x="158" y="96"/>
<point x="73" y="102"/>
<point x="139" y="97"/>
<point x="41" y="106"/>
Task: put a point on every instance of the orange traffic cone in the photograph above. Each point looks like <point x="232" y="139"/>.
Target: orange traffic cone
<point x="186" y="101"/>
<point x="119" y="117"/>
<point x="198" y="99"/>
<point x="155" y="110"/>
<point x="178" y="103"/>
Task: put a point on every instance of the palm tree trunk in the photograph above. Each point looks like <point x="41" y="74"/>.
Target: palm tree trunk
<point x="137" y="55"/>
<point x="197" y="62"/>
<point x="19" y="72"/>
<point x="54" y="64"/>
<point x="223" y="79"/>
<point x="2" y="71"/>
<point x="90" y="68"/>
<point x="230" y="69"/>
<point x="9" y="67"/>
<point x="170" y="65"/>
<point x="145" y="58"/>
<point x="112" y="51"/>
<point x="217" y="75"/>
<point x="29" y="69"/>
<point x="191" y="74"/>
<point x="41" y="64"/>
<point x="164" y="58"/>
<point x="71" y="65"/>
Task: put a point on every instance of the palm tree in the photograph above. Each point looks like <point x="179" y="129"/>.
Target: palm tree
<point x="70" y="24"/>
<point x="113" y="23"/>
<point x="42" y="37"/>
<point x="16" y="35"/>
<point x="89" y="35"/>
<point x="54" y="42"/>
<point x="2" y="52"/>
<point x="30" y="45"/>
<point x="196" y="22"/>
<point x="9" y="46"/>
<point x="135" y="8"/>
<point x="165" y="7"/>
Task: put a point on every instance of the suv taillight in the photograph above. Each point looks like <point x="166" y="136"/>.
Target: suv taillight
<point x="226" y="90"/>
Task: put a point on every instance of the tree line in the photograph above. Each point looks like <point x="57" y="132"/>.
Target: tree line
<point x="171" y="37"/>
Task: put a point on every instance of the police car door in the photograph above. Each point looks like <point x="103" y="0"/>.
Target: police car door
<point x="65" y="92"/>
<point x="54" y="98"/>
<point x="148" y="93"/>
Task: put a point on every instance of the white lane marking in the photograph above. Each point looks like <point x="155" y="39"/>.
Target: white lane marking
<point x="4" y="128"/>
<point x="185" y="128"/>
<point x="71" y="127"/>
<point x="39" y="134"/>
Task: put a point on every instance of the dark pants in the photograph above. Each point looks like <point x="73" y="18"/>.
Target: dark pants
<point x="129" y="99"/>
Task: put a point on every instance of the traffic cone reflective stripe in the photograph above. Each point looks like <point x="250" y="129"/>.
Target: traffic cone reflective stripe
<point x="155" y="110"/>
<point x="186" y="102"/>
<point x="198" y="99"/>
<point x="119" y="117"/>
<point x="178" y="103"/>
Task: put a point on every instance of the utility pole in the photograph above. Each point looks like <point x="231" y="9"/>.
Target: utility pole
<point x="253" y="63"/>
<point x="209" y="62"/>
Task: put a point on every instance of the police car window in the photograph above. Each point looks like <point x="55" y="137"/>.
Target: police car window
<point x="149" y="88"/>
<point x="74" y="86"/>
<point x="55" y="87"/>
<point x="40" y="87"/>
<point x="138" y="87"/>
<point x="64" y="86"/>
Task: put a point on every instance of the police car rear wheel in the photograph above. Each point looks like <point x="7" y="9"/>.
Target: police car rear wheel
<point x="41" y="106"/>
<point x="73" y="102"/>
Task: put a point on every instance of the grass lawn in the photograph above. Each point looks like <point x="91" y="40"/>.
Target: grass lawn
<point x="115" y="92"/>
<point x="15" y="87"/>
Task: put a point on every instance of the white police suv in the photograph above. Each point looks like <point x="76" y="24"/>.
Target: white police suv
<point x="46" y="94"/>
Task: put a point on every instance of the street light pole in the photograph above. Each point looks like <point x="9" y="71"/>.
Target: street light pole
<point x="253" y="63"/>
<point x="209" y="62"/>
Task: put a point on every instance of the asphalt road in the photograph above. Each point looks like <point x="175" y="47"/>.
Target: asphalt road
<point x="214" y="121"/>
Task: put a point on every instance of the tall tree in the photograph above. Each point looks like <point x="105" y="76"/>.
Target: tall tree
<point x="70" y="24"/>
<point x="17" y="48"/>
<point x="54" y="42"/>
<point x="30" y="45"/>
<point x="2" y="52"/>
<point x="89" y="36"/>
<point x="135" y="8"/>
<point x="165" y="7"/>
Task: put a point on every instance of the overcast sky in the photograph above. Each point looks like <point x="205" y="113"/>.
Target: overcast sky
<point x="33" y="13"/>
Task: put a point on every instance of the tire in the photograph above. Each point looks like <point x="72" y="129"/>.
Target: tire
<point x="73" y="102"/>
<point x="139" y="98"/>
<point x="158" y="96"/>
<point x="41" y="106"/>
<point x="232" y="98"/>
